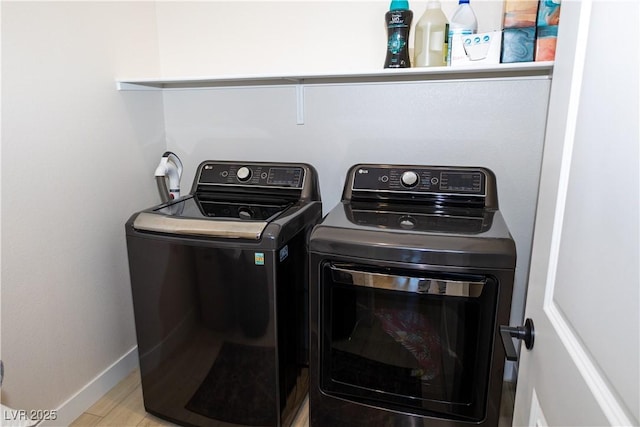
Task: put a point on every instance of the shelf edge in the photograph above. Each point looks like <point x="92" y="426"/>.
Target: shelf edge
<point x="529" y="69"/>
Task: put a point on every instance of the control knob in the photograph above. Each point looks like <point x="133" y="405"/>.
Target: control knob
<point x="409" y="179"/>
<point x="243" y="174"/>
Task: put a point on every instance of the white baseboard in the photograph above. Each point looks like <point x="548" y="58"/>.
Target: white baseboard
<point x="94" y="390"/>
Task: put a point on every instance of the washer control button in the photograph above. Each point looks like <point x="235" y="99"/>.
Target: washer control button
<point x="409" y="179"/>
<point x="243" y="174"/>
<point x="245" y="213"/>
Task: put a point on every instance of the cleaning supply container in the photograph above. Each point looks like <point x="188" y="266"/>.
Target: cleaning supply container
<point x="431" y="37"/>
<point x="463" y="22"/>
<point x="398" y="20"/>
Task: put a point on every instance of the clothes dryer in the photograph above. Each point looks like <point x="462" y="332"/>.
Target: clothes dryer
<point x="411" y="276"/>
<point x="220" y="295"/>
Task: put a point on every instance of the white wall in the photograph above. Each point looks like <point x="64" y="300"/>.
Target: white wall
<point x="77" y="160"/>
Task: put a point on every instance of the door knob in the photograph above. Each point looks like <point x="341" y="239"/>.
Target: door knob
<point x="525" y="333"/>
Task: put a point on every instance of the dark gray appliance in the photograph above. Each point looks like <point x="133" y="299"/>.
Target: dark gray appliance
<point x="220" y="295"/>
<point x="411" y="275"/>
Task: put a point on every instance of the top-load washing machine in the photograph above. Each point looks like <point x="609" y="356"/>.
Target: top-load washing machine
<point x="411" y="276"/>
<point x="220" y="295"/>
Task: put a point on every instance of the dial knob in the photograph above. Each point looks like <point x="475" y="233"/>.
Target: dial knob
<point x="409" y="179"/>
<point x="244" y="173"/>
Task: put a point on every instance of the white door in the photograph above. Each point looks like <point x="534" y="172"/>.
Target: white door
<point x="584" y="287"/>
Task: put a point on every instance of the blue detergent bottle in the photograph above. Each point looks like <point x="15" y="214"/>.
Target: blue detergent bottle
<point x="398" y="20"/>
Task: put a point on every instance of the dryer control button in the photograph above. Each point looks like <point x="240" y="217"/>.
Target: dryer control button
<point x="409" y="179"/>
<point x="243" y="174"/>
<point x="407" y="222"/>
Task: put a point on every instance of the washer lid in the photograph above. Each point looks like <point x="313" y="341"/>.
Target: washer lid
<point x="210" y="217"/>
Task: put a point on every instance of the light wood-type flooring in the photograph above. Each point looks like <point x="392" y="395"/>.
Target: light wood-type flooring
<point x="122" y="406"/>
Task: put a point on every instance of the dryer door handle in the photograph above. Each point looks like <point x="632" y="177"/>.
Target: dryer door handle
<point x="418" y="285"/>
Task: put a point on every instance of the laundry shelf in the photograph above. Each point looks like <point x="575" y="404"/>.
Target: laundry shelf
<point x="498" y="71"/>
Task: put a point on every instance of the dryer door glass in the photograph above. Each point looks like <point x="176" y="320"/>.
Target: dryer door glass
<point x="407" y="340"/>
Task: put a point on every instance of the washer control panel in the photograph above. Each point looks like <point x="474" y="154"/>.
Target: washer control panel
<point x="464" y="181"/>
<point x="258" y="175"/>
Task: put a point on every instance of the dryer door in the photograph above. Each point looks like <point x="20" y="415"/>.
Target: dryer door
<point x="411" y="341"/>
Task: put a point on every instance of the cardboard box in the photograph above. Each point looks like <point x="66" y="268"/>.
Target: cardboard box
<point x="546" y="43"/>
<point x="518" y="44"/>
<point x="520" y="13"/>
<point x="548" y="13"/>
<point x="476" y="49"/>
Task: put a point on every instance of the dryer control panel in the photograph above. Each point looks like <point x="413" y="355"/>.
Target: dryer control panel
<point x="473" y="186"/>
<point x="420" y="180"/>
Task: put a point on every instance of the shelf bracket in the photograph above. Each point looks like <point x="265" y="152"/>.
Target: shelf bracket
<point x="299" y="103"/>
